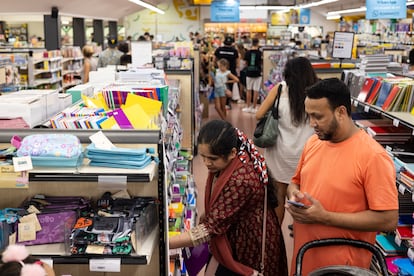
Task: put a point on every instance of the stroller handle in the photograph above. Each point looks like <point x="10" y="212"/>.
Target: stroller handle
<point x="340" y="241"/>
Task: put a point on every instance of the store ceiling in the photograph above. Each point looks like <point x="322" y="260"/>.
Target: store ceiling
<point x="117" y="9"/>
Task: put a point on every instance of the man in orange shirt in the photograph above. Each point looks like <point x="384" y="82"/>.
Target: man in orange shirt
<point x="345" y="179"/>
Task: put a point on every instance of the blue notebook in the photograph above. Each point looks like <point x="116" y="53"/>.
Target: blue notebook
<point x="383" y="93"/>
<point x="388" y="245"/>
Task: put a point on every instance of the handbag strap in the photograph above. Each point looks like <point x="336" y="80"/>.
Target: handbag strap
<point x="275" y="109"/>
<point x="262" y="263"/>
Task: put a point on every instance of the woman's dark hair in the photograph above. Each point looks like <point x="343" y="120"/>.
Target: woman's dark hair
<point x="411" y="57"/>
<point x="298" y="74"/>
<point x="334" y="90"/>
<point x="220" y="135"/>
<point x="14" y="268"/>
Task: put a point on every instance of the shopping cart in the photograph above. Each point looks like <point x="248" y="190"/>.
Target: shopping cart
<point x="378" y="265"/>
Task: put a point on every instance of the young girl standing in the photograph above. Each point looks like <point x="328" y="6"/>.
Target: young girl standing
<point x="219" y="80"/>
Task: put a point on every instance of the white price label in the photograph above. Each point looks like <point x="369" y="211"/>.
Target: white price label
<point x="355" y="103"/>
<point x="396" y="122"/>
<point x="105" y="265"/>
<point x="23" y="163"/>
<point x="366" y="108"/>
<point x="47" y="261"/>
<point x="401" y="189"/>
<point x="397" y="240"/>
<point x="410" y="254"/>
<point x="101" y="141"/>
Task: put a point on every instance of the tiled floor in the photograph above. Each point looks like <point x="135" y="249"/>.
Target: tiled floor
<point x="246" y="122"/>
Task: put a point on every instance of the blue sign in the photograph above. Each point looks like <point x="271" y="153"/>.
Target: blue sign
<point x="225" y="11"/>
<point x="386" y="9"/>
<point x="304" y="16"/>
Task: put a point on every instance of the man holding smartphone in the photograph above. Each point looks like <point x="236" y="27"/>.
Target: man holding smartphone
<point x="346" y="180"/>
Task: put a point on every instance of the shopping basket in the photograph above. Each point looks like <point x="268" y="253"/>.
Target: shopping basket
<point x="379" y="263"/>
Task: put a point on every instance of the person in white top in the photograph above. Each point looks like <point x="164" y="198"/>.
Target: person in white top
<point x="294" y="130"/>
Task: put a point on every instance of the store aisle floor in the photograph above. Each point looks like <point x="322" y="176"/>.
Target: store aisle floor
<point x="246" y="122"/>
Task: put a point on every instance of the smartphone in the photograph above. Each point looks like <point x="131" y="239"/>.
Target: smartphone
<point x="297" y="204"/>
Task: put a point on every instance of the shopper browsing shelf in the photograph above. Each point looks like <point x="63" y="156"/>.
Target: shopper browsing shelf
<point x="220" y="79"/>
<point x="346" y="179"/>
<point x="294" y="129"/>
<point x="234" y="206"/>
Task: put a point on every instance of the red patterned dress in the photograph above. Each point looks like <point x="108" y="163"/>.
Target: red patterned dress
<point x="234" y="216"/>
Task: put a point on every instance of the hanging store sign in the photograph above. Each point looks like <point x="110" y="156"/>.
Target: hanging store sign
<point x="386" y="9"/>
<point x="225" y="11"/>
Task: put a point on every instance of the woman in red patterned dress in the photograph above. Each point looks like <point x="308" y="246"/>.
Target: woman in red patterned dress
<point x="234" y="207"/>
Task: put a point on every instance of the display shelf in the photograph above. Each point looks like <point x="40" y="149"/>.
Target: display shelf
<point x="90" y="182"/>
<point x="404" y="118"/>
<point x="88" y="173"/>
<point x="57" y="252"/>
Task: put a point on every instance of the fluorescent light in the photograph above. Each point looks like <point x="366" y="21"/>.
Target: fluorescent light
<point x="264" y="7"/>
<point x="333" y="17"/>
<point x="361" y="9"/>
<point x="315" y="4"/>
<point x="148" y="6"/>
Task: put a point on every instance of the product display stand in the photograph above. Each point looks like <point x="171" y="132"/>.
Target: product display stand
<point x="151" y="260"/>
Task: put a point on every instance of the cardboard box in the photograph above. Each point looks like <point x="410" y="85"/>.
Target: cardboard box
<point x="65" y="100"/>
<point x="51" y="97"/>
<point x="79" y="90"/>
<point x="29" y="107"/>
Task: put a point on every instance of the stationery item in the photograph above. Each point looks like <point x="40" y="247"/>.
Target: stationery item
<point x="388" y="245"/>
<point x="405" y="232"/>
<point x="121" y="119"/>
<point x="383" y="93"/>
<point x="56" y="150"/>
<point x="405" y="266"/>
<point x="149" y="106"/>
<point x="54" y="227"/>
<point x="373" y="94"/>
<point x="367" y="86"/>
<point x="391" y="98"/>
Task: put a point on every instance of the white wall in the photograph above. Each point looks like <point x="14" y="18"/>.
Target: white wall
<point x="179" y="19"/>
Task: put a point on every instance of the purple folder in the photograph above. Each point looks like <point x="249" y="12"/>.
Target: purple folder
<point x="195" y="258"/>
<point x="121" y="119"/>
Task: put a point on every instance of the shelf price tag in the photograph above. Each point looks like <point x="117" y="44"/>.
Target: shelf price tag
<point x="366" y="108"/>
<point x="396" y="122"/>
<point x="397" y="240"/>
<point x="401" y="189"/>
<point x="355" y="102"/>
<point x="48" y="261"/>
<point x="105" y="265"/>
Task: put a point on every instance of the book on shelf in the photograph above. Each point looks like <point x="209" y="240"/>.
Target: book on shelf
<point x="387" y="244"/>
<point x="383" y="93"/>
<point x="366" y="87"/>
<point x="373" y="94"/>
<point x="389" y="131"/>
<point x="390" y="100"/>
<point x="373" y="122"/>
<point x="404" y="232"/>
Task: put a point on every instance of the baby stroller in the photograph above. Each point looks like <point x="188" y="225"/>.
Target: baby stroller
<point x="378" y="265"/>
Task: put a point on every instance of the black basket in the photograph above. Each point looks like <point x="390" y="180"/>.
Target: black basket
<point x="342" y="269"/>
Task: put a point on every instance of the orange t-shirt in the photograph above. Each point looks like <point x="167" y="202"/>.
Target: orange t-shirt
<point x="351" y="176"/>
